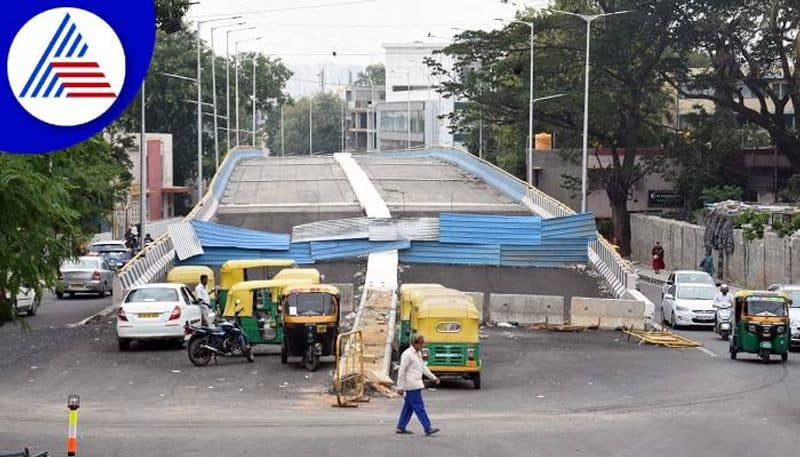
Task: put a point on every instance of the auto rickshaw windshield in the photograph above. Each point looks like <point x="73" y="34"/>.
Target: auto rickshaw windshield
<point x="764" y="306"/>
<point x="310" y="304"/>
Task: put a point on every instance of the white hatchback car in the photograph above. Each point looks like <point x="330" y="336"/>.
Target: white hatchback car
<point x="687" y="276"/>
<point x="156" y="311"/>
<point x="689" y="304"/>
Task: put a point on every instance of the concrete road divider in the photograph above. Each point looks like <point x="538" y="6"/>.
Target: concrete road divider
<point x="526" y="309"/>
<point x="607" y="313"/>
<point x="479" y="299"/>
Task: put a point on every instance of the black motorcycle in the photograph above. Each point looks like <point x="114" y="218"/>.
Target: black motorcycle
<point x="227" y="340"/>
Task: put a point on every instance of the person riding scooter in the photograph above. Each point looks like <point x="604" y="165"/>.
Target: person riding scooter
<point x="723" y="302"/>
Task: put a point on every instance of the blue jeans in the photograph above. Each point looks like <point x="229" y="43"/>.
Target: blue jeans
<point x="413" y="404"/>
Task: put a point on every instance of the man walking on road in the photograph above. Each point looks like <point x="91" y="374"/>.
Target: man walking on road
<point x="409" y="381"/>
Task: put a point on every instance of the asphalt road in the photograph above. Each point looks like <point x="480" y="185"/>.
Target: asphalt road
<point x="544" y="393"/>
<point x="55" y="312"/>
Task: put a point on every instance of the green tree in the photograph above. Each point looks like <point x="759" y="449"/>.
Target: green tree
<point x="170" y="13"/>
<point x="373" y="75"/>
<point x="754" y="69"/>
<point x="327" y="117"/>
<point x="628" y="100"/>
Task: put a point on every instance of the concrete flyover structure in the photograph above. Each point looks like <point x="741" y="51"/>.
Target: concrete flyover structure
<point x="279" y="194"/>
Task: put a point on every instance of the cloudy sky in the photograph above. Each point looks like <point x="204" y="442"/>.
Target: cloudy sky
<point x="304" y="33"/>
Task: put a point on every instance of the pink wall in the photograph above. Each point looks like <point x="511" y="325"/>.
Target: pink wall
<point x="154" y="179"/>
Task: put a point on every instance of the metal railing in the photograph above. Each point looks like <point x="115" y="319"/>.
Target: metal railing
<point x="348" y="380"/>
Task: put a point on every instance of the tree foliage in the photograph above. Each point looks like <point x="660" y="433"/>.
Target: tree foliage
<point x="327" y="117"/>
<point x="170" y="13"/>
<point x="754" y="64"/>
<point x="373" y="75"/>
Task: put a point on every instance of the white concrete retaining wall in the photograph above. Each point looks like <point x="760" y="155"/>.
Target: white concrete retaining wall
<point x="479" y="299"/>
<point x="756" y="264"/>
<point x="526" y="309"/>
<point x="607" y="313"/>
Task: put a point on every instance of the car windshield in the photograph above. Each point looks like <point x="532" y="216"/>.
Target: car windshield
<point x="81" y="263"/>
<point x="310" y="304"/>
<point x="152" y="295"/>
<point x="766" y="306"/>
<point x="117" y="255"/>
<point x="702" y="278"/>
<point x="106" y="247"/>
<point x="696" y="293"/>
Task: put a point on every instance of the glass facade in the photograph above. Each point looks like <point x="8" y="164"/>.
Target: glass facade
<point x="395" y="122"/>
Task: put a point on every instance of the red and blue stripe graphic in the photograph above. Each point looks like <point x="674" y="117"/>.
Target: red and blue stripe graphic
<point x="64" y="71"/>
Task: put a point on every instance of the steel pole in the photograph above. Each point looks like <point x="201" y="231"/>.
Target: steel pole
<point x="199" y="121"/>
<point x="310" y="125"/>
<point x="585" y="157"/>
<point x="236" y="84"/>
<point x="214" y="98"/>
<point x="283" y="145"/>
<point x="530" y="116"/>
<point x="254" y="99"/>
<point x="228" y="89"/>
<point x="408" y="109"/>
<point x="143" y="172"/>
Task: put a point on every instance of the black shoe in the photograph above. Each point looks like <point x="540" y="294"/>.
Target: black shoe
<point x="432" y="431"/>
<point x="404" y="432"/>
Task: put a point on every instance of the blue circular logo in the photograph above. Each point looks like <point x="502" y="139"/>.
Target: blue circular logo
<point x="72" y="67"/>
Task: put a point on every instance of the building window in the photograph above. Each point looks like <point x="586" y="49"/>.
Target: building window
<point x="405" y="88"/>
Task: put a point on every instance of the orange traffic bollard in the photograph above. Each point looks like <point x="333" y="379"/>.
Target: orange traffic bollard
<point x="73" y="403"/>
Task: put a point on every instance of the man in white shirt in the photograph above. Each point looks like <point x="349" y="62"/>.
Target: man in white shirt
<point x="723" y="299"/>
<point x="201" y="293"/>
<point x="409" y="382"/>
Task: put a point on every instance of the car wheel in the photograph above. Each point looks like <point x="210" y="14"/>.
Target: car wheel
<point x="124" y="344"/>
<point x="59" y="294"/>
<point x="103" y="292"/>
<point x="476" y="381"/>
<point x="32" y="309"/>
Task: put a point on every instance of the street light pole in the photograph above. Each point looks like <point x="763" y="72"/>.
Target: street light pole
<point x="143" y="173"/>
<point x="585" y="156"/>
<point x="310" y="125"/>
<point x="236" y="76"/>
<point x="228" y="81"/>
<point x="254" y="99"/>
<point x="214" y="89"/>
<point x="283" y="145"/>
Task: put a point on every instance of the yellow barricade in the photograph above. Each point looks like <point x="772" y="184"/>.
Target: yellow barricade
<point x="348" y="380"/>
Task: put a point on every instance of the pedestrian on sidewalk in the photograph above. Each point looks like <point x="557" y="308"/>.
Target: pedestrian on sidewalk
<point x="707" y="264"/>
<point x="658" y="258"/>
<point x="410" y="384"/>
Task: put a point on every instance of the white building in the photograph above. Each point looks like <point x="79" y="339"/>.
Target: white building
<point x="411" y="92"/>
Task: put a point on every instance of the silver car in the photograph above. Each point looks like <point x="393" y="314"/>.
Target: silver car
<point x="793" y="290"/>
<point x="87" y="274"/>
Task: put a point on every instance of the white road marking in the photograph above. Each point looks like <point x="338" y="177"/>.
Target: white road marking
<point x="708" y="353"/>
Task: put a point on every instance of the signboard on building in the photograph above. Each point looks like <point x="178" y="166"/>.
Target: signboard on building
<point x="664" y="199"/>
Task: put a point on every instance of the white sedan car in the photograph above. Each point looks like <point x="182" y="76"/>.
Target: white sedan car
<point x="26" y="301"/>
<point x="689" y="304"/>
<point x="687" y="276"/>
<point x="156" y="311"/>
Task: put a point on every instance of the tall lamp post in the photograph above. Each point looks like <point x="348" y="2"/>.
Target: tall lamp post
<point x="214" y="90"/>
<point x="228" y="80"/>
<point x="530" y="156"/>
<point x="530" y="101"/>
<point x="588" y="18"/>
<point x="199" y="107"/>
<point x="236" y="67"/>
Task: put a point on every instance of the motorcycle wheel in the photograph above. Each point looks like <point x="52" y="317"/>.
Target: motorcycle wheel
<point x="725" y="336"/>
<point x="198" y="355"/>
<point x="311" y="360"/>
<point x="250" y="354"/>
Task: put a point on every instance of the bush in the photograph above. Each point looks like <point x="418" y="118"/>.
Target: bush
<point x="720" y="194"/>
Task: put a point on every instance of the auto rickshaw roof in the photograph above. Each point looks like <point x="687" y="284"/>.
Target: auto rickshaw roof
<point x="291" y="273"/>
<point x="231" y="265"/>
<point x="407" y="287"/>
<point x="269" y="284"/>
<point x="312" y="288"/>
<point x="437" y="307"/>
<point x="422" y="293"/>
<point x="760" y="293"/>
<point x="183" y="271"/>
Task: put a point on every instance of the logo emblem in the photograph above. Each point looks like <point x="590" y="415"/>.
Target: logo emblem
<point x="66" y="66"/>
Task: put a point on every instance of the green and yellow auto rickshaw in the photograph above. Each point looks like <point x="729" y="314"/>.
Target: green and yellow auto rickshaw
<point x="190" y="275"/>
<point x="450" y="326"/>
<point x="311" y="323"/>
<point x="294" y="273"/>
<point x="412" y="300"/>
<point x="258" y="307"/>
<point x="236" y="271"/>
<point x="406" y="293"/>
<point x="761" y="324"/>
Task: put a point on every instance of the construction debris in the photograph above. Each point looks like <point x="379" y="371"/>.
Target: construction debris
<point x="662" y="338"/>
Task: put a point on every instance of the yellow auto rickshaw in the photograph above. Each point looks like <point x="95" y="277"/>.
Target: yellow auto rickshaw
<point x="406" y="293"/>
<point x="410" y="300"/>
<point x="311" y="323"/>
<point x="761" y="324"/>
<point x="256" y="304"/>
<point x="294" y="273"/>
<point x="452" y="344"/>
<point x="236" y="271"/>
<point x="190" y="275"/>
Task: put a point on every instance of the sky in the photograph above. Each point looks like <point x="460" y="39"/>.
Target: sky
<point x="305" y="33"/>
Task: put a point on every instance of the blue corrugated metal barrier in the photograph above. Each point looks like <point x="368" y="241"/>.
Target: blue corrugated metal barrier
<point x="326" y="250"/>
<point x="449" y="253"/>
<point x="490" y="229"/>
<point x="575" y="226"/>
<point x="550" y="253"/>
<point x="217" y="235"/>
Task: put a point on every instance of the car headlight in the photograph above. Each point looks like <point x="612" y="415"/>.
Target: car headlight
<point x="471" y="353"/>
<point x="681" y="308"/>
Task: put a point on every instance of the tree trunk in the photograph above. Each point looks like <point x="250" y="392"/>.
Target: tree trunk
<point x="622" y="221"/>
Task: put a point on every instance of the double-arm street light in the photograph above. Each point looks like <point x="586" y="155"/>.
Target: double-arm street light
<point x="236" y="67"/>
<point x="214" y="89"/>
<point x="199" y="106"/>
<point x="588" y="18"/>
<point x="530" y="100"/>
<point x="228" y="78"/>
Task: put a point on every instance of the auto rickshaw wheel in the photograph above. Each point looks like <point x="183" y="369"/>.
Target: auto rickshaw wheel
<point x="250" y="353"/>
<point x="311" y="360"/>
<point x="785" y="356"/>
<point x="284" y="354"/>
<point x="476" y="381"/>
<point x="733" y="351"/>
